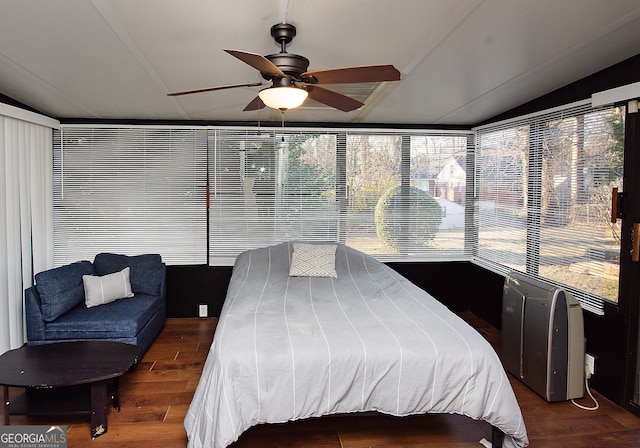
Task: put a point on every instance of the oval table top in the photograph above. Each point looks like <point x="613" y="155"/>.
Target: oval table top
<point x="66" y="363"/>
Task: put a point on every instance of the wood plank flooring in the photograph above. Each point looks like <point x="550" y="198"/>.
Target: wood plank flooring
<point x="156" y="396"/>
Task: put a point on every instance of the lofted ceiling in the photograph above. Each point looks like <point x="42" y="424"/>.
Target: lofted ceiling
<point x="462" y="61"/>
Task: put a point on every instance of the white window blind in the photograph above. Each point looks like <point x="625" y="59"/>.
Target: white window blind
<point x="544" y="195"/>
<point x="439" y="167"/>
<point x="130" y="190"/>
<point x="268" y="187"/>
<point x="415" y="166"/>
<point x="143" y="189"/>
<point x="373" y="166"/>
<point x="271" y="186"/>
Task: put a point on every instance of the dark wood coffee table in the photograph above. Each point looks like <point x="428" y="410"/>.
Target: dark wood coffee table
<point x="67" y="378"/>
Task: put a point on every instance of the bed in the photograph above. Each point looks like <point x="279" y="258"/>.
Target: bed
<point x="329" y="330"/>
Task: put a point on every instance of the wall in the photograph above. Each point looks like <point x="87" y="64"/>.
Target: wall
<point x="461" y="286"/>
<point x="191" y="286"/>
<point x="480" y="292"/>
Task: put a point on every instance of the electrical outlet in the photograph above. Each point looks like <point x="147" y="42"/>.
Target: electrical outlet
<point x="203" y="311"/>
<point x="589" y="365"/>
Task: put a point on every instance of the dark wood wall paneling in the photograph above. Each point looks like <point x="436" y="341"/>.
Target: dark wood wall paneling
<point x="191" y="286"/>
<point x="461" y="286"/>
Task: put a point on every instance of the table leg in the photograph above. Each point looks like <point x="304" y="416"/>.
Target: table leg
<point x="115" y="394"/>
<point x="99" y="403"/>
<point x="5" y="400"/>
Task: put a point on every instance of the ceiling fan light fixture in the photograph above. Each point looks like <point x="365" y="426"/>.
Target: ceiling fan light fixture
<point x="283" y="97"/>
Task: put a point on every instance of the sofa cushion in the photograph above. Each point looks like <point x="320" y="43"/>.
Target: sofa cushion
<point x="99" y="290"/>
<point x="61" y="288"/>
<point x="146" y="270"/>
<point x="119" y="319"/>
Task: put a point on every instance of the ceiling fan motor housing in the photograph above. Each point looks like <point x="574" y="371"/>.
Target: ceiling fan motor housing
<point x="289" y="63"/>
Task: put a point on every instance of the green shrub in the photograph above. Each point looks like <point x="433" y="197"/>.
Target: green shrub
<point x="424" y="217"/>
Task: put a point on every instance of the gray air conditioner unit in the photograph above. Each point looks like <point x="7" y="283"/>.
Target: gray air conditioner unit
<point x="543" y="337"/>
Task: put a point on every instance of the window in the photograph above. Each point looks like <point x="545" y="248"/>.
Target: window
<point x="501" y="164"/>
<point x="373" y="166"/>
<point x="144" y="189"/>
<point x="130" y="190"/>
<point x="426" y="165"/>
<point x="544" y="196"/>
<point x="539" y="205"/>
<point x="269" y="187"/>
<point x="439" y="166"/>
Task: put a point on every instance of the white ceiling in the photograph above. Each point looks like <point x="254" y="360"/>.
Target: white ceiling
<point x="462" y="61"/>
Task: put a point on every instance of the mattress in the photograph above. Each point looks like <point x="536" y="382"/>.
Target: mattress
<point x="289" y="348"/>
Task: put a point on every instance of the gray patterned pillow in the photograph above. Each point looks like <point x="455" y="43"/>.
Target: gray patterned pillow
<point x="108" y="288"/>
<point x="313" y="260"/>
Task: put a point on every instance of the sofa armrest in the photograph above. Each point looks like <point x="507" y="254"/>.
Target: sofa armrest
<point x="33" y="315"/>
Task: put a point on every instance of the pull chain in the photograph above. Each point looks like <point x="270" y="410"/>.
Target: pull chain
<point x="259" y="132"/>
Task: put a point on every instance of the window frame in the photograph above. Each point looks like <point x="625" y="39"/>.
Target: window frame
<point x="535" y="159"/>
<point x="342" y="135"/>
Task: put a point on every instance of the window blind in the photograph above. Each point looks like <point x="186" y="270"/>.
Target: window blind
<point x="415" y="165"/>
<point x="271" y="186"/>
<point x="130" y="190"/>
<point x="144" y="189"/>
<point x="544" y="189"/>
<point x="268" y="187"/>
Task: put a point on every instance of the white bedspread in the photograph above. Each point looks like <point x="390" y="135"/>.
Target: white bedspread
<point x="288" y="348"/>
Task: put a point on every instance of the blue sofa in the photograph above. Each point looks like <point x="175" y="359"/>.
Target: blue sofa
<point x="55" y="306"/>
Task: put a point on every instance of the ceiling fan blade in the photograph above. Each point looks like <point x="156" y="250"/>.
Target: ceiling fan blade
<point x="365" y="73"/>
<point x="333" y="99"/>
<point x="210" y="89"/>
<point x="255" y="104"/>
<point x="257" y="61"/>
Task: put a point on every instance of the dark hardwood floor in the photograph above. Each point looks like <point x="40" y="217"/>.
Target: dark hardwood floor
<point x="156" y="396"/>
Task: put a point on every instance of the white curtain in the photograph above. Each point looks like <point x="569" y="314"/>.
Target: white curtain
<point x="26" y="217"/>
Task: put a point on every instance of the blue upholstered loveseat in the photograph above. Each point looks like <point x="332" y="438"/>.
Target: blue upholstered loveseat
<point x="57" y="309"/>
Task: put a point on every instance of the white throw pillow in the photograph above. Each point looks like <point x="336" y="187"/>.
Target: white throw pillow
<point x="313" y="260"/>
<point x="108" y="288"/>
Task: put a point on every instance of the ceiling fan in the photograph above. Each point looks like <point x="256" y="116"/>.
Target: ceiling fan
<point x="291" y="83"/>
